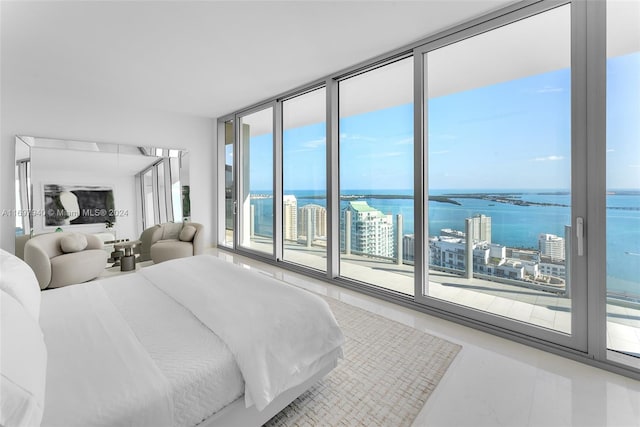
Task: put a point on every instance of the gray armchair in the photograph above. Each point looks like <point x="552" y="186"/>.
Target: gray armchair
<point x="56" y="265"/>
<point x="148" y="236"/>
<point x="172" y="240"/>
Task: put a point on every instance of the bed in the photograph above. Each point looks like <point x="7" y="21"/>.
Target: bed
<point x="193" y="341"/>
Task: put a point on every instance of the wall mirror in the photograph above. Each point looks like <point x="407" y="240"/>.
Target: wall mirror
<point x="96" y="187"/>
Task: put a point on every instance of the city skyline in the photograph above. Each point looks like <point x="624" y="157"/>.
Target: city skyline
<point x="366" y="230"/>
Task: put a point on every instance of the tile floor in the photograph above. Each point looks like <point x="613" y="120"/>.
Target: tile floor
<point x="494" y="381"/>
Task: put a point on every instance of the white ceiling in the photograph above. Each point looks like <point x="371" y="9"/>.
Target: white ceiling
<point x="210" y="58"/>
<point x="204" y="58"/>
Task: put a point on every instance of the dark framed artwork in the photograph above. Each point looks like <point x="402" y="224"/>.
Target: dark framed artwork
<point x="77" y="204"/>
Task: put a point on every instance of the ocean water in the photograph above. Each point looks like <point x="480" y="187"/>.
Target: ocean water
<point x="511" y="225"/>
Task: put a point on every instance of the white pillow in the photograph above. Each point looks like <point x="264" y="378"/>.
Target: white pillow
<point x="171" y="230"/>
<point x="24" y="365"/>
<point x="74" y="242"/>
<point x="188" y="233"/>
<point x="18" y="280"/>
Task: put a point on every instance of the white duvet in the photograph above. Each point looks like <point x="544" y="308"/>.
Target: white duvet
<point x="278" y="334"/>
<point x="98" y="373"/>
<point x="175" y="342"/>
<point x="202" y="373"/>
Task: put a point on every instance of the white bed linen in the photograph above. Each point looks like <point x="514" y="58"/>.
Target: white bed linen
<point x="242" y="307"/>
<point x="23" y="365"/>
<point x="202" y="373"/>
<point x="98" y="373"/>
<point x="237" y="415"/>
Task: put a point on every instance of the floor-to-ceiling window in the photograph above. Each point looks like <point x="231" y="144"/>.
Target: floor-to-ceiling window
<point x="623" y="178"/>
<point x="498" y="143"/>
<point x="24" y="221"/>
<point x="162" y="190"/>
<point x="461" y="177"/>
<point x="161" y="193"/>
<point x="176" y="186"/>
<point x="304" y="181"/>
<point x="376" y="176"/>
<point x="255" y="206"/>
<point x="229" y="199"/>
<point x="149" y="204"/>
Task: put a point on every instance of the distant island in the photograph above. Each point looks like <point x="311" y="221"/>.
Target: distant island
<point x="506" y="198"/>
<point x="509" y="198"/>
<point x="441" y="199"/>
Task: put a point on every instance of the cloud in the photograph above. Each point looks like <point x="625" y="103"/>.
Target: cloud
<point x="314" y="143"/>
<point x="548" y="158"/>
<point x="356" y="137"/>
<point x="438" y="152"/>
<point x="634" y="166"/>
<point x="310" y="145"/>
<point x="382" y="155"/>
<point x="550" y="89"/>
<point x="610" y="150"/>
<point x="405" y="141"/>
<point x="442" y="136"/>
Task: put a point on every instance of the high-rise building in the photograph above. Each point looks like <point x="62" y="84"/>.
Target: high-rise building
<point x="449" y="252"/>
<point x="290" y="217"/>
<point x="448" y="232"/>
<point x="551" y="245"/>
<point x="408" y="247"/>
<point x="371" y="231"/>
<point x="318" y="216"/>
<point x="552" y="267"/>
<point x="481" y="228"/>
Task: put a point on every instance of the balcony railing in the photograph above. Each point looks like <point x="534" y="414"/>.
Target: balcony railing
<point x="398" y="258"/>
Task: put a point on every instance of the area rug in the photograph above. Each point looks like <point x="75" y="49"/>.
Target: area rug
<point x="388" y="372"/>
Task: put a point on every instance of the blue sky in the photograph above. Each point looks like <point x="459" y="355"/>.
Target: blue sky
<point x="623" y="122"/>
<point x="304" y="158"/>
<point x="511" y="135"/>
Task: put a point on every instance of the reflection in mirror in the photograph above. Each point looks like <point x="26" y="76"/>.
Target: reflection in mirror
<point x="112" y="189"/>
<point x="24" y="218"/>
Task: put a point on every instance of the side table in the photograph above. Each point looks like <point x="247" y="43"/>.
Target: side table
<point x="128" y="260"/>
<point x="116" y="254"/>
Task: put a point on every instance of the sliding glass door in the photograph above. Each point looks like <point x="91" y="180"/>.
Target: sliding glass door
<point x="500" y="191"/>
<point x="623" y="182"/>
<point x="256" y="195"/>
<point x="304" y="180"/>
<point x="376" y="176"/>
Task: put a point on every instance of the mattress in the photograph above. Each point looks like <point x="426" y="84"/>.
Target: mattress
<point x="199" y="371"/>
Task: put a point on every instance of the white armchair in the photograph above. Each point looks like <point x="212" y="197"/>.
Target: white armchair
<point x="57" y="263"/>
<point x="173" y="240"/>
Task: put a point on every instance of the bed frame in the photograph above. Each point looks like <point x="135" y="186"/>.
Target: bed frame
<point x="237" y="415"/>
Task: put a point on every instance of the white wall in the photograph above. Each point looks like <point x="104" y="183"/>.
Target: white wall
<point x="23" y="112"/>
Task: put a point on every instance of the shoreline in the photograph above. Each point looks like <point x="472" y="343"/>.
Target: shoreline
<point x="512" y="198"/>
